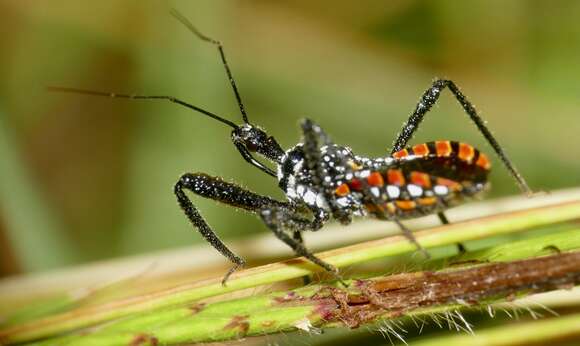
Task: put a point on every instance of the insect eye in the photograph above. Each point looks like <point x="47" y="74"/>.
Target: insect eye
<point x="252" y="146"/>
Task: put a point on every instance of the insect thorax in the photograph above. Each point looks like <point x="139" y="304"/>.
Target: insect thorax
<point x="299" y="183"/>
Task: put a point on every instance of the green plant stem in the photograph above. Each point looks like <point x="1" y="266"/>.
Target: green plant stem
<point x="271" y="273"/>
<point x="364" y="301"/>
<point x="219" y="321"/>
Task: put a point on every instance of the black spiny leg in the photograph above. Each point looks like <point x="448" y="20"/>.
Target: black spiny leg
<point x="425" y="104"/>
<point x="460" y="247"/>
<point x="411" y="237"/>
<point x="297" y="235"/>
<point x="428" y="100"/>
<point x="443" y="218"/>
<point x="281" y="219"/>
<point x="218" y="190"/>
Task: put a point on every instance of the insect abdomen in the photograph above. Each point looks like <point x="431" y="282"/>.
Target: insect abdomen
<point x="423" y="179"/>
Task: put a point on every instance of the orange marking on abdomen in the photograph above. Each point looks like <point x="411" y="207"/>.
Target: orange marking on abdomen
<point x="483" y="161"/>
<point x="451" y="184"/>
<point x="443" y="148"/>
<point x="371" y="208"/>
<point x="400" y="154"/>
<point x="395" y="177"/>
<point x="405" y="205"/>
<point x="375" y="179"/>
<point x="427" y="200"/>
<point x="420" y="178"/>
<point x="466" y="152"/>
<point x="421" y="149"/>
<point x="342" y="190"/>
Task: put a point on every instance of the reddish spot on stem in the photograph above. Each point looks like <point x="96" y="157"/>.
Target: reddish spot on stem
<point x="197" y="308"/>
<point x="239" y="322"/>
<point x="288" y="297"/>
<point x="144" y="339"/>
<point x="325" y="311"/>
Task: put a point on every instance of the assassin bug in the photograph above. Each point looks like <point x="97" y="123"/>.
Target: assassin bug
<point x="323" y="180"/>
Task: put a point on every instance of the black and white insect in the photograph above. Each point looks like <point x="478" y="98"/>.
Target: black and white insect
<point x="323" y="180"/>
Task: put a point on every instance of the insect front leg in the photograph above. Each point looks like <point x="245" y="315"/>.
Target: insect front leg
<point x="285" y="222"/>
<point x="221" y="191"/>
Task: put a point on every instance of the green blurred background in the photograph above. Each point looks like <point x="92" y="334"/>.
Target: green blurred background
<point x="87" y="178"/>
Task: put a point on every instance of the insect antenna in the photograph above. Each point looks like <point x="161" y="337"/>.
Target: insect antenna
<point x="177" y="15"/>
<point x="143" y="97"/>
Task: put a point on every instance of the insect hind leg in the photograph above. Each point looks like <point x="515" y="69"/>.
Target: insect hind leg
<point x="428" y="99"/>
<point x="461" y="249"/>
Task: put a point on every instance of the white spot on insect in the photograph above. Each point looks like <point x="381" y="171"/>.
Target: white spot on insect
<point x="375" y="191"/>
<point x="441" y="190"/>
<point x="393" y="192"/>
<point x="309" y="197"/>
<point x="342" y="201"/>
<point x="290" y="190"/>
<point x="300" y="190"/>
<point x="414" y="190"/>
<point x="321" y="201"/>
<point x="298" y="166"/>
